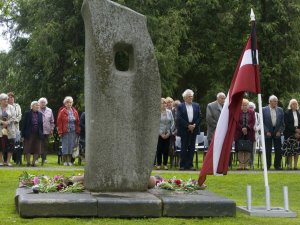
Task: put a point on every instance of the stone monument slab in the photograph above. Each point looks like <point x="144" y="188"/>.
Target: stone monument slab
<point x="154" y="203"/>
<point x="122" y="98"/>
<point x="128" y="204"/>
<point x="197" y="204"/>
<point x="31" y="205"/>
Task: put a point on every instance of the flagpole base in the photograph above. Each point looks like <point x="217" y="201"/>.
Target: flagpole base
<point x="261" y="211"/>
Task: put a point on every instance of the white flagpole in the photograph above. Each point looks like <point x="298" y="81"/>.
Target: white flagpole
<point x="267" y="189"/>
<point x="262" y="131"/>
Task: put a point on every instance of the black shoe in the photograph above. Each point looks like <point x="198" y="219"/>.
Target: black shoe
<point x="28" y="165"/>
<point x="295" y="168"/>
<point x="181" y="168"/>
<point x="278" y="168"/>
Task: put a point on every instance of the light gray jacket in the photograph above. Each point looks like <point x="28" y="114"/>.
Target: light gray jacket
<point x="166" y="125"/>
<point x="212" y="116"/>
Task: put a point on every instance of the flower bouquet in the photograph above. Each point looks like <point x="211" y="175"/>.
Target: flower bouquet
<point x="45" y="184"/>
<point x="175" y="184"/>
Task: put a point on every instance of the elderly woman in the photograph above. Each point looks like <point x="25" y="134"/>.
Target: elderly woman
<point x="68" y="129"/>
<point x="32" y="132"/>
<point x="11" y="101"/>
<point x="48" y="126"/>
<point x="170" y="102"/>
<point x="291" y="133"/>
<point x="8" y="129"/>
<point x="245" y="131"/>
<point x="165" y="131"/>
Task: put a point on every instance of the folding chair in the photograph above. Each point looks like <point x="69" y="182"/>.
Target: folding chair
<point x="199" y="144"/>
<point x="177" y="150"/>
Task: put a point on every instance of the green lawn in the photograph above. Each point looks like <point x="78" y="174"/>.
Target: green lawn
<point x="232" y="186"/>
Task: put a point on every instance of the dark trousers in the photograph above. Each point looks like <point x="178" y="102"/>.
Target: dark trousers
<point x="187" y="150"/>
<point x="44" y="147"/>
<point x="277" y="148"/>
<point x="162" y="150"/>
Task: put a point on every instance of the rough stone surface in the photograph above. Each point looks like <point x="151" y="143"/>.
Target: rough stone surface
<point x="198" y="204"/>
<point x="154" y="203"/>
<point x="31" y="205"/>
<point x="122" y="107"/>
<point x="130" y="204"/>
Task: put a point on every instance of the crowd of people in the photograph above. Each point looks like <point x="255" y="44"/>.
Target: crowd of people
<point x="186" y="125"/>
<point x="177" y="119"/>
<point x="281" y="131"/>
<point x="37" y="126"/>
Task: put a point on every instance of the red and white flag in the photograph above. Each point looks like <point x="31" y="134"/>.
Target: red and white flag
<point x="246" y="78"/>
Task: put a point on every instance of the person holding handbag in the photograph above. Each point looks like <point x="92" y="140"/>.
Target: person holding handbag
<point x="7" y="130"/>
<point x="245" y="135"/>
<point x="68" y="128"/>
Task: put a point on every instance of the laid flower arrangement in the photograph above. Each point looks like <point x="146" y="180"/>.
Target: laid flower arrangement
<point x="175" y="184"/>
<point x="45" y="184"/>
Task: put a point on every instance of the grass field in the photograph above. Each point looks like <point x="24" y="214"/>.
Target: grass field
<point x="232" y="186"/>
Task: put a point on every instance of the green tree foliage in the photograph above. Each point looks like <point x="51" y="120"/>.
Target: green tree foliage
<point x="197" y="44"/>
<point x="48" y="51"/>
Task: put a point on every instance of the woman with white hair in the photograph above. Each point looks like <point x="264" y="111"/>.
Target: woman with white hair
<point x="68" y="129"/>
<point x="7" y="129"/>
<point x="32" y="132"/>
<point x="291" y="134"/>
<point x="48" y="126"/>
<point x="244" y="133"/>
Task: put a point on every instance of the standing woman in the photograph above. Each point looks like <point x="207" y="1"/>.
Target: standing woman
<point x="245" y="131"/>
<point x="48" y="126"/>
<point x="165" y="129"/>
<point x="11" y="101"/>
<point x="32" y="132"/>
<point x="68" y="129"/>
<point x="291" y="131"/>
<point x="7" y="129"/>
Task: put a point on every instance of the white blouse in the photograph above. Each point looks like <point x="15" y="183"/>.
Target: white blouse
<point x="295" y="119"/>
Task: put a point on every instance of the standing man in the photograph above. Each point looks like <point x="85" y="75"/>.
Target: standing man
<point x="48" y="126"/>
<point x="273" y="118"/>
<point x="213" y="111"/>
<point x="188" y="119"/>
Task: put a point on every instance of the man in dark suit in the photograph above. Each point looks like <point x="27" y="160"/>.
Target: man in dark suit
<point x="213" y="111"/>
<point x="273" y="118"/>
<point x="188" y="119"/>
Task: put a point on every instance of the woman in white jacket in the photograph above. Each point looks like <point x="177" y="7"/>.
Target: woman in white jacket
<point x="7" y="129"/>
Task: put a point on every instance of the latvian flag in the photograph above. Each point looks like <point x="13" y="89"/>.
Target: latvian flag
<point x="245" y="79"/>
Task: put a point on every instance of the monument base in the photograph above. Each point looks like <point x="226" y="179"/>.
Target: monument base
<point x="154" y="203"/>
<point x="261" y="211"/>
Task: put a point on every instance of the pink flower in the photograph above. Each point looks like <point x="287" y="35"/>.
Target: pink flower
<point x="56" y="177"/>
<point x="59" y="187"/>
<point x="36" y="180"/>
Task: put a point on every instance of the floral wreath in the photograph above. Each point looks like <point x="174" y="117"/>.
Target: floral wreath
<point x="45" y="184"/>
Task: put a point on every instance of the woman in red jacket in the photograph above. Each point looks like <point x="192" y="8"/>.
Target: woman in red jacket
<point x="68" y="129"/>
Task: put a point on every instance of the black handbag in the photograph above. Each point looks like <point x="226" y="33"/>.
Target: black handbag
<point x="244" y="145"/>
